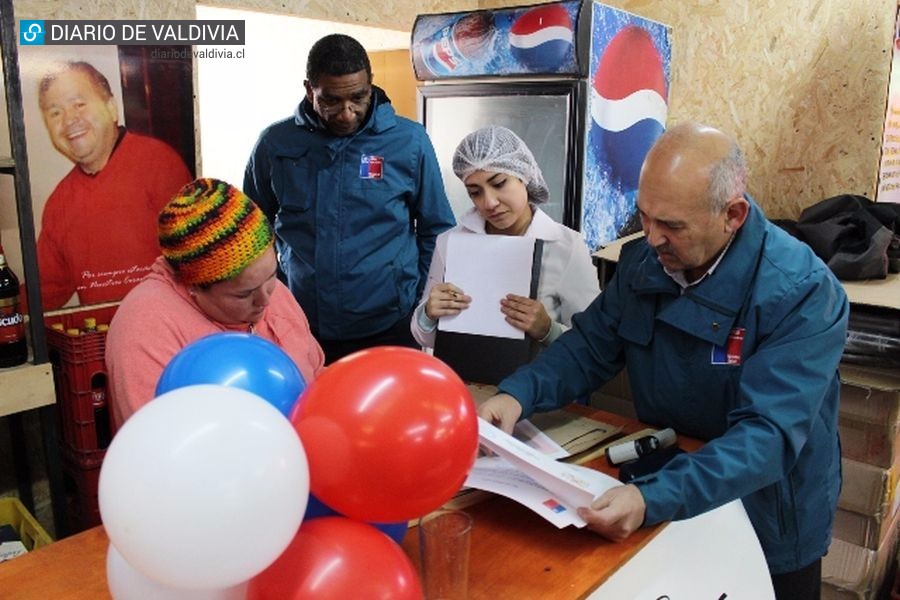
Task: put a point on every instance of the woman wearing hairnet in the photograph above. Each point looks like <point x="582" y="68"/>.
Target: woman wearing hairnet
<point x="506" y="187"/>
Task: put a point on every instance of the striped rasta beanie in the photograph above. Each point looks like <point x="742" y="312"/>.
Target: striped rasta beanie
<point x="211" y="231"/>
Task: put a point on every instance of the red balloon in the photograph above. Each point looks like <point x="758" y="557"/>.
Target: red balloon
<point x="390" y="434"/>
<point x="335" y="558"/>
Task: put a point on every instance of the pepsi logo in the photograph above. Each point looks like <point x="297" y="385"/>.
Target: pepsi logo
<point x="629" y="103"/>
<point x="542" y="38"/>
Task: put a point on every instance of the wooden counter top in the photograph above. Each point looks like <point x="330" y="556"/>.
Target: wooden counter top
<point x="515" y="553"/>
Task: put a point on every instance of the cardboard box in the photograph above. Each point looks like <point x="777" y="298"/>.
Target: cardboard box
<point x="860" y="530"/>
<point x="830" y="592"/>
<point x="867" y="489"/>
<point x="855" y="572"/>
<point x="870" y="443"/>
<point x="869" y="415"/>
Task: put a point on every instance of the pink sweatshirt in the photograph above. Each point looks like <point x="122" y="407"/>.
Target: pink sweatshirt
<point x="158" y="318"/>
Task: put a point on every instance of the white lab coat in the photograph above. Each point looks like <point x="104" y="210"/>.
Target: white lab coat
<point x="568" y="280"/>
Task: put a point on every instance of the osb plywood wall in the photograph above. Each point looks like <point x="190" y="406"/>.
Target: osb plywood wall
<point x="801" y="84"/>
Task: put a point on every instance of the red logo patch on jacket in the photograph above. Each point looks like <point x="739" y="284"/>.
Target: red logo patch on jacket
<point x="371" y="167"/>
<point x="730" y="353"/>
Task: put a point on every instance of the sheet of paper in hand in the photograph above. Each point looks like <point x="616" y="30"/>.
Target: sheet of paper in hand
<point x="551" y="489"/>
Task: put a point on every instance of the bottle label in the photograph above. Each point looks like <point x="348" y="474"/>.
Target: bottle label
<point x="12" y="326"/>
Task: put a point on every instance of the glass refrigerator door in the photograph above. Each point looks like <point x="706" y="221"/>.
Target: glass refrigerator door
<point x="544" y="115"/>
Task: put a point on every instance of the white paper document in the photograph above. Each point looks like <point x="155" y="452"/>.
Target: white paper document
<point x="551" y="489"/>
<point x="487" y="268"/>
<point x="526" y="431"/>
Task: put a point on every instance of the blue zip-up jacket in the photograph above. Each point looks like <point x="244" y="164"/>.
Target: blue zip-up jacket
<point x="354" y="247"/>
<point x="746" y="359"/>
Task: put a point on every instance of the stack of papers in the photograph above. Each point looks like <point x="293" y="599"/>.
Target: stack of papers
<point x="551" y="489"/>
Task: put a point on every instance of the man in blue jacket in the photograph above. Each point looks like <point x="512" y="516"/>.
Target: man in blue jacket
<point x="356" y="198"/>
<point x="731" y="331"/>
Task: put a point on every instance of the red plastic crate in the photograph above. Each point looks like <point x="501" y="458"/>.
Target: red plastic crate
<point x="82" y="460"/>
<point x="90" y="435"/>
<point x="84" y="416"/>
<point x="103" y="315"/>
<point x="80" y="375"/>
<point x="81" y="479"/>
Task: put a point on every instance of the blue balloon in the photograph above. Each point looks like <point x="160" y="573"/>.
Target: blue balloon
<point x="237" y="360"/>
<point x="316" y="508"/>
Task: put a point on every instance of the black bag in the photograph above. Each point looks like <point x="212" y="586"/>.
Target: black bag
<point x="857" y="238"/>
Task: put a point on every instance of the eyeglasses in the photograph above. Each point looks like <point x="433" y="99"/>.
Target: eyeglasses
<point x="330" y="106"/>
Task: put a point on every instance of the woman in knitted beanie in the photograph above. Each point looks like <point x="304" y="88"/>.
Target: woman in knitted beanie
<point x="217" y="273"/>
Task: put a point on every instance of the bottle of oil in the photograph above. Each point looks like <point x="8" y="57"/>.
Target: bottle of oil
<point x="13" y="347"/>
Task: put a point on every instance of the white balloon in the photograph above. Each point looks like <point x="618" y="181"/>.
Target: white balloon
<point x="204" y="487"/>
<point x="127" y="583"/>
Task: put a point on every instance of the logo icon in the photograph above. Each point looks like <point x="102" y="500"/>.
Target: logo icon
<point x="31" y="33"/>
<point x="629" y="103"/>
<point x="730" y="353"/>
<point x="371" y="167"/>
<point x="554" y="506"/>
<point x="543" y="38"/>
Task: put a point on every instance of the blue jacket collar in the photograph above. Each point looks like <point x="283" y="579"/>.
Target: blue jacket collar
<point x="709" y="309"/>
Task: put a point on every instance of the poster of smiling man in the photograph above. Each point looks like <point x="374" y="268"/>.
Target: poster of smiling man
<point x="110" y="138"/>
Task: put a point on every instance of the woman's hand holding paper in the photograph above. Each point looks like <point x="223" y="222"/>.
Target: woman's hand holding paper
<point x="445" y="299"/>
<point x="526" y="314"/>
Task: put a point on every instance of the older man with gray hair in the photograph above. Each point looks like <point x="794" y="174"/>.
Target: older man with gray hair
<point x="731" y="331"/>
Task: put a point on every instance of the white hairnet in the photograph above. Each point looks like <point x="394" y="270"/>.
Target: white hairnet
<point x="499" y="150"/>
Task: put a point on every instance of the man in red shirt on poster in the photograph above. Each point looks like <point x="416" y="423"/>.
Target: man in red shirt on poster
<point x="98" y="230"/>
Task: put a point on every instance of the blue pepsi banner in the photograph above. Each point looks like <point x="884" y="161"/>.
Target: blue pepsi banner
<point x="630" y="70"/>
<point x="528" y="40"/>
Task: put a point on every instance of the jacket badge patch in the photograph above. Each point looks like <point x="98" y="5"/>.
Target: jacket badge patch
<point x="371" y="167"/>
<point x="730" y="353"/>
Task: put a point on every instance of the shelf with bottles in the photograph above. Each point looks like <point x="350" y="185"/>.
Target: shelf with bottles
<point x="26" y="385"/>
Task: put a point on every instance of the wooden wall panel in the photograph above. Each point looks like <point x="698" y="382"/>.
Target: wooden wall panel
<point x="390" y="14"/>
<point x="802" y="85"/>
<point x="392" y="71"/>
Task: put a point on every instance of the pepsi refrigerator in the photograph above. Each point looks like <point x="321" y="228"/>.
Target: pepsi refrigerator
<point x="583" y="84"/>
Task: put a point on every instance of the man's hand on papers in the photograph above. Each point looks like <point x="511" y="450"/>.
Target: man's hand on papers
<point x="501" y="411"/>
<point x="616" y="514"/>
<point x="552" y="489"/>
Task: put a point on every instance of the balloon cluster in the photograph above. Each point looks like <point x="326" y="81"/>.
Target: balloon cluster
<point x="240" y="481"/>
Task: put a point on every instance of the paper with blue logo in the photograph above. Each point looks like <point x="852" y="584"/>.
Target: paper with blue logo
<point x="629" y="75"/>
<point x="519" y="472"/>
